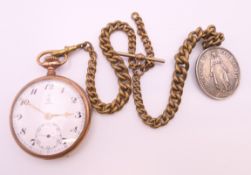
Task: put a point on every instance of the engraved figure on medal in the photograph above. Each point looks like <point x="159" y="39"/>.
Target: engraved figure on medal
<point x="219" y="72"/>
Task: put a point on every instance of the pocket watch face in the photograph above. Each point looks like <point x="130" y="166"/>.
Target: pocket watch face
<point x="50" y="116"/>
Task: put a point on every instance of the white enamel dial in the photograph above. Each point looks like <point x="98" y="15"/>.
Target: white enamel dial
<point x="49" y="117"/>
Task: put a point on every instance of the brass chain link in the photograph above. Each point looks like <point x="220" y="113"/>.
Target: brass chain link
<point x="211" y="38"/>
<point x="50" y="60"/>
<point x="117" y="64"/>
<point x="139" y="66"/>
<point x="138" y="63"/>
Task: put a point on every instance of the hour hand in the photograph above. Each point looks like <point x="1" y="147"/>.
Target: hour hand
<point x="66" y="114"/>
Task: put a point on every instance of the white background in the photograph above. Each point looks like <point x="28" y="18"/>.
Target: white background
<point x="206" y="136"/>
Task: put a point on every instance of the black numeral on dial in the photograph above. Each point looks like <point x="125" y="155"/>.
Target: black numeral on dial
<point x="23" y="131"/>
<point x="49" y="86"/>
<point x="24" y="102"/>
<point x="33" y="142"/>
<point x="74" y="100"/>
<point x="33" y="91"/>
<point x="19" y="116"/>
<point x="75" y="129"/>
<point x="79" y="115"/>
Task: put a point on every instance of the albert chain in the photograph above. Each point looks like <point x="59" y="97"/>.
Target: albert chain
<point x="138" y="63"/>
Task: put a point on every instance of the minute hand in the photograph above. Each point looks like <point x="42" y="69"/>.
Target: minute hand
<point x="36" y="108"/>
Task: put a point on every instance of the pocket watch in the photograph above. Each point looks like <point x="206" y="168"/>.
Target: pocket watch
<point x="51" y="114"/>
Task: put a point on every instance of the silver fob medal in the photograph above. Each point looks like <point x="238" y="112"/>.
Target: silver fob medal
<point x="217" y="72"/>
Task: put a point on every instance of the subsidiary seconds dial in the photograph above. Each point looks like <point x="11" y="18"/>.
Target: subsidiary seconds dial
<point x="48" y="136"/>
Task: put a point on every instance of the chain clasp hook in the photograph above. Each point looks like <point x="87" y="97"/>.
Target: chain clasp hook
<point x="52" y="59"/>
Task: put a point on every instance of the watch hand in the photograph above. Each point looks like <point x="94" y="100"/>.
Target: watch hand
<point x="46" y="114"/>
<point x="36" y="108"/>
<point x="66" y="114"/>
